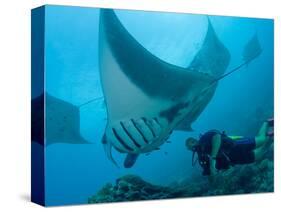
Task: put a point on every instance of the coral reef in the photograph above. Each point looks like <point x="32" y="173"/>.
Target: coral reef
<point x="252" y="178"/>
<point x="132" y="187"/>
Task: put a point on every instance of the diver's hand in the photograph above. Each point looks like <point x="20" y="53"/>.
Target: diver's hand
<point x="213" y="169"/>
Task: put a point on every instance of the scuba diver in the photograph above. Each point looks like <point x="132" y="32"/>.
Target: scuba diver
<point x="217" y="151"/>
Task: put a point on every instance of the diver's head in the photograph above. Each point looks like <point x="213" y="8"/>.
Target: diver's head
<point x="191" y="143"/>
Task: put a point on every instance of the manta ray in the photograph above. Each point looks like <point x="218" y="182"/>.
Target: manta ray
<point x="147" y="98"/>
<point x="54" y="120"/>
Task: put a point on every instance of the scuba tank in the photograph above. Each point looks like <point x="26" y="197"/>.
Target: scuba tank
<point x="203" y="150"/>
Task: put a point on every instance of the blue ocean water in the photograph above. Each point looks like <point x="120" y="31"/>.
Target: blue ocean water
<point x="75" y="172"/>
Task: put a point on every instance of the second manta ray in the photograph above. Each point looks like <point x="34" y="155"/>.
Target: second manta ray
<point x="147" y="98"/>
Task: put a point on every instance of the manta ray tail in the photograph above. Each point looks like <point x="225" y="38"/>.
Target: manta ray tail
<point x="101" y="98"/>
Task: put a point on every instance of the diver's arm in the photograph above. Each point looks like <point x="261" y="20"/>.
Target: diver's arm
<point x="216" y="143"/>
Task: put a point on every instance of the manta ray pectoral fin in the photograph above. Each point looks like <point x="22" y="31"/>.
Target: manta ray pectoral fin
<point x="143" y="69"/>
<point x="213" y="57"/>
<point x="215" y="65"/>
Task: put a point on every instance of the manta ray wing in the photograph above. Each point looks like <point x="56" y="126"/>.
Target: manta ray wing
<point x="213" y="58"/>
<point x="145" y="96"/>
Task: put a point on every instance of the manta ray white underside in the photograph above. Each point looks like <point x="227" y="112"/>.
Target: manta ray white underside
<point x="147" y="98"/>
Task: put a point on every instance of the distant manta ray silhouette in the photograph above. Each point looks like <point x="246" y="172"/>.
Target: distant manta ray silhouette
<point x="54" y="120"/>
<point x="147" y="98"/>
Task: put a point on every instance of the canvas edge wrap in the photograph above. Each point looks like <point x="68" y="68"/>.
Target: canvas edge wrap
<point x="38" y="84"/>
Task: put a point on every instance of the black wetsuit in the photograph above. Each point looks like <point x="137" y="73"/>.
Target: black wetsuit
<point x="231" y="151"/>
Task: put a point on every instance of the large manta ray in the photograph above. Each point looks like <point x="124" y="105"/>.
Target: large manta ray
<point x="146" y="97"/>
